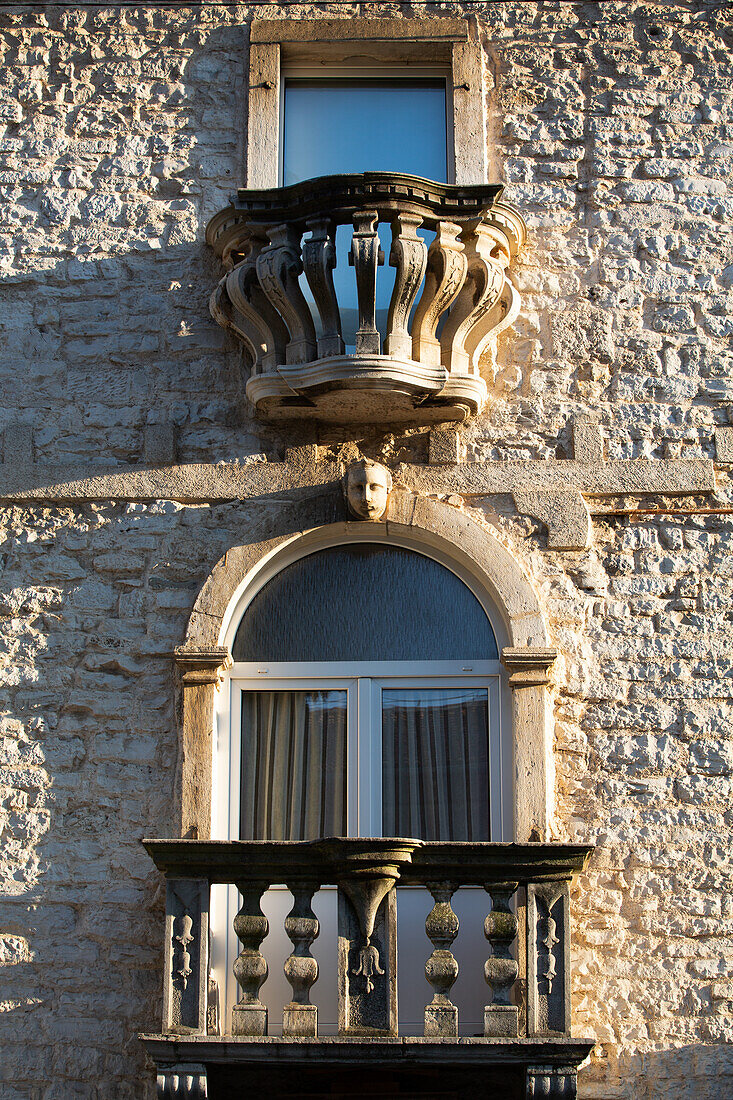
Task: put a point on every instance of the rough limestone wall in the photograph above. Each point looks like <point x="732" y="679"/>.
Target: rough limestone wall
<point x="120" y="133"/>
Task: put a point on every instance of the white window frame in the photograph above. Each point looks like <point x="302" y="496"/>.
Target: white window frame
<point x="363" y="684"/>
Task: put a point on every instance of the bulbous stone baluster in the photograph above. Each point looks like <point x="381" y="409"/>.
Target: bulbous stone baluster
<point x="365" y="257"/>
<point x="441" y="969"/>
<point x="409" y="255"/>
<point x="501" y="1018"/>
<point x="483" y="285"/>
<point x="249" y="1016"/>
<point x="300" y="1017"/>
<point x="319" y="260"/>
<point x="254" y="317"/>
<point x="443" y="281"/>
<point x="278" y="268"/>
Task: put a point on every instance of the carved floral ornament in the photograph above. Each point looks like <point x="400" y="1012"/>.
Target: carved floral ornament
<point x="450" y="298"/>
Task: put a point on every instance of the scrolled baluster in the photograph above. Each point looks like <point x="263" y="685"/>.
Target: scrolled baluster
<point x="501" y="1017"/>
<point x="249" y="1016"/>
<point x="254" y="317"/>
<point x="441" y="969"/>
<point x="319" y="260"/>
<point x="278" y="268"/>
<point x="446" y="272"/>
<point x="365" y="257"/>
<point x="300" y="1017"/>
<point x="482" y="288"/>
<point x="409" y="254"/>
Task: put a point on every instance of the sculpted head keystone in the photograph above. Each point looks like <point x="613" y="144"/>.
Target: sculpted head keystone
<point x="368" y="485"/>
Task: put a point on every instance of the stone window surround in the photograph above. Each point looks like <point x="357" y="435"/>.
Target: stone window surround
<point x="438" y="527"/>
<point x="448" y="41"/>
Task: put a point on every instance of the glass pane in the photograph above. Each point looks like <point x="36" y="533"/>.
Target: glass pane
<point x="332" y="127"/>
<point x="435" y="764"/>
<point x="365" y="602"/>
<point x="293" y="784"/>
<point x="336" y="126"/>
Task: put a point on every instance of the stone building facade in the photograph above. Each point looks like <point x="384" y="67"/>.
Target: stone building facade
<point x="133" y="463"/>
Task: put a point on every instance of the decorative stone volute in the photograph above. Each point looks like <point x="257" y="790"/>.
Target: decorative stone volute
<point x="448" y="300"/>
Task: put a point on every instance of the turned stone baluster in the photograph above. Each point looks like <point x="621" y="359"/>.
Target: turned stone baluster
<point x="441" y="969"/>
<point x="501" y="1017"/>
<point x="319" y="260"/>
<point x="409" y="254"/>
<point x="365" y="257"/>
<point x="300" y="1017"/>
<point x="255" y="318"/>
<point x="278" y="268"/>
<point x="249" y="1016"/>
<point x="446" y="271"/>
<point x="480" y="291"/>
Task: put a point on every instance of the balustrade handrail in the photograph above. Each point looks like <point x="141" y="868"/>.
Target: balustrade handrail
<point x="468" y="863"/>
<point x="337" y="197"/>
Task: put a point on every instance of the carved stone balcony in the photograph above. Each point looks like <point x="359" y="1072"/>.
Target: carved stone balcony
<point x="449" y="297"/>
<point x="526" y="1048"/>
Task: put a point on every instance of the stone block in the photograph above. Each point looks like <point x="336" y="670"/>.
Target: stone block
<point x="501" y="1021"/>
<point x="18" y="445"/>
<point x="159" y="446"/>
<point x="445" y="447"/>
<point x="724" y="444"/>
<point x="587" y="440"/>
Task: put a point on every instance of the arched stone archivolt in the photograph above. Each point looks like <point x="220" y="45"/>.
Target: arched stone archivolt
<point x="426" y="524"/>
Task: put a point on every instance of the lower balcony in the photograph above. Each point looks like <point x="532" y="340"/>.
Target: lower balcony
<point x="524" y="1048"/>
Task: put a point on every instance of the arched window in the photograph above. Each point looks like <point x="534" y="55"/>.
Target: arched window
<point x="365" y="701"/>
<point x="365" y="698"/>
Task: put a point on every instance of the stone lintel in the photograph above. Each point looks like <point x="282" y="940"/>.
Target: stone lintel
<point x="199" y="482"/>
<point x="528" y="666"/>
<point x="360" y="28"/>
<point x="202" y="665"/>
<point x="638" y="475"/>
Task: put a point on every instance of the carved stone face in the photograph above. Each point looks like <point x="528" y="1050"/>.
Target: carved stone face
<point x="367" y="489"/>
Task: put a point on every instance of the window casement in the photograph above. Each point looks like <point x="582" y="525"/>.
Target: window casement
<point x="445" y="50"/>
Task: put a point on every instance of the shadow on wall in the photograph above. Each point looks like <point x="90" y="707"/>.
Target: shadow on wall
<point x="694" y="1071"/>
<point x="106" y="299"/>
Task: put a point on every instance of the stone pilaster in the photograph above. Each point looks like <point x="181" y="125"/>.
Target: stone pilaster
<point x="201" y="671"/>
<point x="528" y="669"/>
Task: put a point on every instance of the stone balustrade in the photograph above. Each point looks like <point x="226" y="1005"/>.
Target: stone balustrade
<point x="527" y="928"/>
<point x="450" y="298"/>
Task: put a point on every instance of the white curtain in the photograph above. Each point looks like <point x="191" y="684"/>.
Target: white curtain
<point x="293" y="784"/>
<point x="435" y="764"/>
